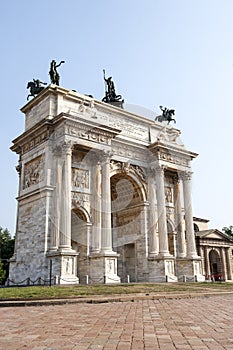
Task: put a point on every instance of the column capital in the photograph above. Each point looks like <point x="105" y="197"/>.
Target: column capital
<point x="64" y="147"/>
<point x="105" y="156"/>
<point x="186" y="175"/>
<point x="151" y="171"/>
<point x="57" y="150"/>
<point x="67" y="147"/>
<point x="158" y="169"/>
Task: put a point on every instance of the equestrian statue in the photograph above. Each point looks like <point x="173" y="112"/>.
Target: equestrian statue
<point x="35" y="87"/>
<point x="166" y="115"/>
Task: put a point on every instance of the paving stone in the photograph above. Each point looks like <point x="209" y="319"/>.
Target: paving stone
<point x="165" y="324"/>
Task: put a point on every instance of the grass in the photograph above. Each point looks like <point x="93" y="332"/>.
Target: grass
<point x="44" y="292"/>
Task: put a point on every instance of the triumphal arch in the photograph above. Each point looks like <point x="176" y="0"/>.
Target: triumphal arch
<point x="104" y="195"/>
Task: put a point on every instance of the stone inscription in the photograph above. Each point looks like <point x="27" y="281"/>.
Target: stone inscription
<point x="128" y="128"/>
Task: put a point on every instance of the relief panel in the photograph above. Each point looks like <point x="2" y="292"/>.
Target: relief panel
<point x="34" y="171"/>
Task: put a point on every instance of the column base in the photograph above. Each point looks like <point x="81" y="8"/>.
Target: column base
<point x="189" y="270"/>
<point x="64" y="266"/>
<point x="103" y="268"/>
<point x="161" y="269"/>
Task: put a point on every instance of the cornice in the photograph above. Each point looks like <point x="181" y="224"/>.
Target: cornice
<point x="172" y="149"/>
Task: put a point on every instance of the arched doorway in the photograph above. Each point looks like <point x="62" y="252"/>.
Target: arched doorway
<point x="215" y="264"/>
<point x="128" y="222"/>
<point x="80" y="242"/>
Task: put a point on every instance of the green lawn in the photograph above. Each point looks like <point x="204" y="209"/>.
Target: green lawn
<point x="41" y="292"/>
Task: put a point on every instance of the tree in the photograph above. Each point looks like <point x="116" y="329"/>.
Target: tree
<point x="2" y="273"/>
<point x="228" y="230"/>
<point x="6" y="251"/>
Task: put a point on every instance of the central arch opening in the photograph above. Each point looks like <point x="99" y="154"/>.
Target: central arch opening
<point x="127" y="204"/>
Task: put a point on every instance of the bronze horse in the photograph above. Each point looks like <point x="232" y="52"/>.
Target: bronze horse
<point x="35" y="87"/>
<point x="166" y="116"/>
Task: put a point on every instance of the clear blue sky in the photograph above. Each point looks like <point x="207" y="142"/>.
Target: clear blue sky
<point x="176" y="53"/>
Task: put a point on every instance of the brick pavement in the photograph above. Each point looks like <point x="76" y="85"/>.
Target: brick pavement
<point x="165" y="324"/>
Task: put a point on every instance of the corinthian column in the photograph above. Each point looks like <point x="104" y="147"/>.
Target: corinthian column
<point x="190" y="237"/>
<point x="153" y="243"/>
<point x="162" y="220"/>
<point x="179" y="219"/>
<point x="106" y="237"/>
<point x="65" y="222"/>
<point x="96" y="230"/>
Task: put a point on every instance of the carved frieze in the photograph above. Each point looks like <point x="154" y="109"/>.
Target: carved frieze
<point x="34" y="171"/>
<point x="173" y="158"/>
<point x="168" y="194"/>
<point x="129" y="152"/>
<point x="79" y="199"/>
<point x="80" y="178"/>
<point x="86" y="107"/>
<point x="35" y="141"/>
<point x="126" y="167"/>
<point x="169" y="135"/>
<point x="88" y="133"/>
<point x="170" y="212"/>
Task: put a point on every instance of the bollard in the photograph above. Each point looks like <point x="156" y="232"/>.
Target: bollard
<point x="87" y="279"/>
<point x="128" y="278"/>
<point x="184" y="278"/>
<point x="28" y="281"/>
<point x="55" y="280"/>
<point x="7" y="283"/>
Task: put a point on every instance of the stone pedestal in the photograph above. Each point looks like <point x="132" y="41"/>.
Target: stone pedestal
<point x="161" y="270"/>
<point x="64" y="266"/>
<point x="119" y="104"/>
<point x="189" y="270"/>
<point x="103" y="269"/>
